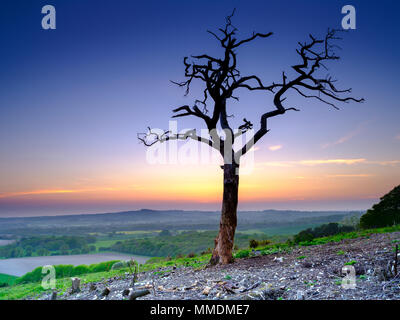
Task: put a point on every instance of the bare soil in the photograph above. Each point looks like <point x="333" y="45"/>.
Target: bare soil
<point x="313" y="272"/>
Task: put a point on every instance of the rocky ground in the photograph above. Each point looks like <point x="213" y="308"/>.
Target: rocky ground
<point x="313" y="272"/>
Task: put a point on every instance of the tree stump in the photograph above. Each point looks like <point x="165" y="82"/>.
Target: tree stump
<point x="106" y="292"/>
<point x="126" y="292"/>
<point x="53" y="295"/>
<point x="139" y="293"/>
<point x="76" y="283"/>
<point x="92" y="287"/>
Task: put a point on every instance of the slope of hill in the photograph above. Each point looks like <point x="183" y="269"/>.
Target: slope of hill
<point x="310" y="273"/>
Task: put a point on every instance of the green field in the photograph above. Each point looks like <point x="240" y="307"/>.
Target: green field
<point x="182" y="243"/>
<point x="8" y="279"/>
<point x="286" y="230"/>
<point x="104" y="243"/>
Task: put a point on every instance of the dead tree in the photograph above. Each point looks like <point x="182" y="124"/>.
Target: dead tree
<point x="222" y="80"/>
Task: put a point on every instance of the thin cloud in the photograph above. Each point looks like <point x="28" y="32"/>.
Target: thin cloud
<point x="332" y="161"/>
<point x="53" y="191"/>
<point x="274" y="148"/>
<point x="361" y="175"/>
<point x="346" y="137"/>
<point x="277" y="164"/>
<point x="398" y="137"/>
<point x="313" y="162"/>
<point x="317" y="162"/>
<point x="385" y="163"/>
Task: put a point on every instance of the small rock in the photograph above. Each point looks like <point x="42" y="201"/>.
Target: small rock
<point x="126" y="292"/>
<point x="300" y="295"/>
<point x="206" y="291"/>
<point x="92" y="287"/>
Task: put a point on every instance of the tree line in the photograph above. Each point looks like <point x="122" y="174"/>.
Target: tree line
<point x="48" y="245"/>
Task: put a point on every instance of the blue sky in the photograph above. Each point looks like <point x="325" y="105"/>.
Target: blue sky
<point x="72" y="101"/>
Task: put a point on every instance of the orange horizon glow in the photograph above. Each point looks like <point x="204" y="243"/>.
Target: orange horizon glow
<point x="352" y="178"/>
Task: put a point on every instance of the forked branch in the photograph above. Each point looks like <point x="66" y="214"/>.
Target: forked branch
<point x="152" y="137"/>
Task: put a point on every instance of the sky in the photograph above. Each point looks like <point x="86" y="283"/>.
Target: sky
<point x="73" y="99"/>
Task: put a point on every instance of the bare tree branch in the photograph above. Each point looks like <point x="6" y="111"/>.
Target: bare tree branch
<point x="222" y="79"/>
<point x="150" y="138"/>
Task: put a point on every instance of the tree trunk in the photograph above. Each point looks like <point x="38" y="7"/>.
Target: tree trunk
<point x="222" y="252"/>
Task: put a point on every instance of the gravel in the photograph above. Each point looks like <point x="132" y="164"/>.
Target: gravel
<point x="305" y="273"/>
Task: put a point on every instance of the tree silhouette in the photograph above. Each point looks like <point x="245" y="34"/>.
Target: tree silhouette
<point x="222" y="80"/>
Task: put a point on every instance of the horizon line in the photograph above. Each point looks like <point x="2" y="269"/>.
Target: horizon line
<point x="179" y="210"/>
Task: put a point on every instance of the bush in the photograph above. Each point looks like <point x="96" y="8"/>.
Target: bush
<point x="124" y="264"/>
<point x="102" y="266"/>
<point x="253" y="243"/>
<point x="303" y="236"/>
<point x="82" y="269"/>
<point x="242" y="254"/>
<point x="306" y="236"/>
<point x="118" y="265"/>
<point x="64" y="271"/>
<point x="47" y="245"/>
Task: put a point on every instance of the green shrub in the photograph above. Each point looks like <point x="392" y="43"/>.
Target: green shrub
<point x="242" y="254"/>
<point x="64" y="271"/>
<point x="253" y="243"/>
<point x="82" y="269"/>
<point x="307" y="236"/>
<point x="46" y="245"/>
<point x="118" y="265"/>
<point x="303" y="236"/>
<point x="102" y="266"/>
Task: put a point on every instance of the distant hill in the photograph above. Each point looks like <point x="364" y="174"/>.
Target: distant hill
<point x="147" y="219"/>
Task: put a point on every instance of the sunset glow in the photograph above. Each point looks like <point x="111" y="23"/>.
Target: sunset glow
<point x="73" y="102"/>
